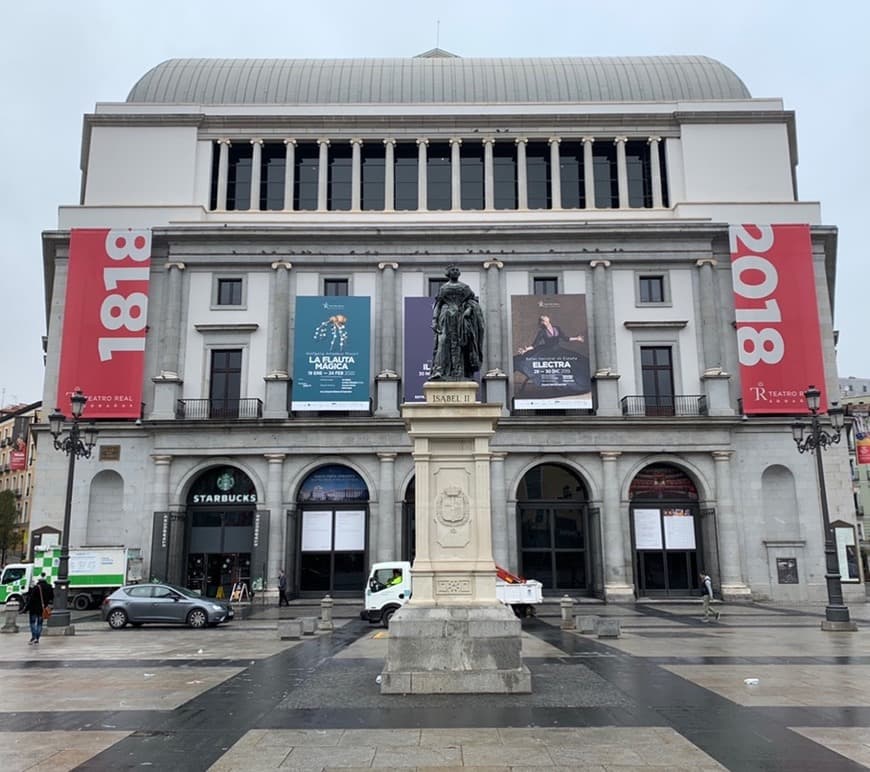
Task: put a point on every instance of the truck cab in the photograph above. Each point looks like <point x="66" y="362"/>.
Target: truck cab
<point x="387" y="589"/>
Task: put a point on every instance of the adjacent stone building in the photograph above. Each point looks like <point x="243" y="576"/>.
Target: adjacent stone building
<point x="301" y="214"/>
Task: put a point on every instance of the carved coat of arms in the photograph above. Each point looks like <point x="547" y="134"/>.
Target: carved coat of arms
<point x="451" y="507"/>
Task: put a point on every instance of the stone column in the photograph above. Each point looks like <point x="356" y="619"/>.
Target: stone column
<point x="356" y="175"/>
<point x="455" y="173"/>
<point x="500" y="525"/>
<point x="275" y="503"/>
<point x="323" y="175"/>
<point x="522" y="174"/>
<point x="256" y="168"/>
<point x="733" y="586"/>
<point x="488" y="175"/>
<point x="386" y="545"/>
<point x="588" y="172"/>
<point x="422" y="184"/>
<point x="494" y="378"/>
<point x="161" y="482"/>
<point x="616" y="586"/>
<point x="555" y="174"/>
<point x="167" y="385"/>
<point x="387" y="380"/>
<point x="389" y="175"/>
<point x="223" y="174"/>
<point x="655" y="168"/>
<point x="606" y="377"/>
<point x="289" y="173"/>
<point x="277" y="378"/>
<point x="621" y="171"/>
<point x="288" y="518"/>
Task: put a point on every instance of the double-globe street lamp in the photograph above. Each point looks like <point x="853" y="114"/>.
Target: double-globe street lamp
<point x="816" y="441"/>
<point x="77" y="443"/>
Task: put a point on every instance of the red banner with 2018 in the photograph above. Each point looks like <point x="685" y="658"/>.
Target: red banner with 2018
<point x="779" y="341"/>
<point x="104" y="324"/>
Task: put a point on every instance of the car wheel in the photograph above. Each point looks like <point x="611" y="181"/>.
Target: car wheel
<point x="117" y="619"/>
<point x="387" y="616"/>
<point x="82" y="602"/>
<point x="197" y="618"/>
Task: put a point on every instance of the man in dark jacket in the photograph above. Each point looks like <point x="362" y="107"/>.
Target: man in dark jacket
<point x="39" y="598"/>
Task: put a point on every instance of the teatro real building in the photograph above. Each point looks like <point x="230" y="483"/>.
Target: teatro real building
<point x="244" y="292"/>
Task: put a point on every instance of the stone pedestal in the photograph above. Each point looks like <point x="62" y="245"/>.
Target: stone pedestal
<point x="167" y="392"/>
<point x="453" y="636"/>
<point x="607" y="392"/>
<point x="277" y="387"/>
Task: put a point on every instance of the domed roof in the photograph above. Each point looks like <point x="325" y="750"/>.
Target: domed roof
<point x="437" y="79"/>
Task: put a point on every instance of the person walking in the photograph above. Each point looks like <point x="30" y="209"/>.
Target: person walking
<point x="40" y="599"/>
<point x="707" y="593"/>
<point x="282" y="588"/>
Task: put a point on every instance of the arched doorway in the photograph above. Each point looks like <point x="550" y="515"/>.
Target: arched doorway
<point x="222" y="509"/>
<point x="665" y="531"/>
<point x="553" y="524"/>
<point x="333" y="532"/>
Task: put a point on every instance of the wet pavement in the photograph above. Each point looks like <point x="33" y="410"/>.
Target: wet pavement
<point x="669" y="694"/>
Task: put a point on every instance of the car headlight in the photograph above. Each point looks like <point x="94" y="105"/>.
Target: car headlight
<point x="215" y="607"/>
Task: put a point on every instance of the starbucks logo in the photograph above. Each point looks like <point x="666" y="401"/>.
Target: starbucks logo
<point x="226" y="481"/>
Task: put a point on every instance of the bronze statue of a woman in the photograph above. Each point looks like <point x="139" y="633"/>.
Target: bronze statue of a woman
<point x="457" y="321"/>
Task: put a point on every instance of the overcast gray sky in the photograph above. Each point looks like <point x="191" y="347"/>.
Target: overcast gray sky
<point x="59" y="58"/>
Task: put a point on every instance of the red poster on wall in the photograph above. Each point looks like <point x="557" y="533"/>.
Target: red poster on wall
<point x="862" y="449"/>
<point x="779" y="341"/>
<point x="104" y="324"/>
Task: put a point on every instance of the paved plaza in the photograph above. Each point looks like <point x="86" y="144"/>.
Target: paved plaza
<point x="669" y="694"/>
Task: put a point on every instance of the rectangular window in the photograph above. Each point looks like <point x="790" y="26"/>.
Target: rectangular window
<point x="604" y="170"/>
<point x="405" y="176"/>
<point x="229" y="292"/>
<point x="571" y="175"/>
<point x="215" y="166"/>
<point x="651" y="289"/>
<point x="438" y="174"/>
<point x="373" y="170"/>
<point x="657" y="375"/>
<point x="538" y="175"/>
<point x="307" y="162"/>
<point x="335" y="287"/>
<point x="471" y="177"/>
<point x="225" y="384"/>
<point x="272" y="176"/>
<point x="339" y="182"/>
<point x="545" y="285"/>
<point x="639" y="175"/>
<point x="504" y="175"/>
<point x="435" y="285"/>
<point x="663" y="174"/>
<point x="239" y="177"/>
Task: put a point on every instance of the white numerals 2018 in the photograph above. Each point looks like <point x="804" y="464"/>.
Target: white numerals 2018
<point x="756" y="344"/>
<point x="119" y="311"/>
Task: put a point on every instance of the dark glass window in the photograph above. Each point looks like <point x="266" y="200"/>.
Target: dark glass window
<point x="546" y="285"/>
<point x="604" y="169"/>
<point x="571" y="175"/>
<point x="335" y="287"/>
<point x="435" y="285"/>
<point x="405" y="176"/>
<point x="215" y="164"/>
<point x="471" y="176"/>
<point x="504" y="175"/>
<point x="373" y="160"/>
<point x="305" y="180"/>
<point x="657" y="373"/>
<point x="229" y="292"/>
<point x="339" y="183"/>
<point x="225" y="383"/>
<point x="538" y="174"/>
<point x="239" y="177"/>
<point x="664" y="175"/>
<point x="639" y="176"/>
<point x="652" y="289"/>
<point x="438" y="194"/>
<point x="272" y="176"/>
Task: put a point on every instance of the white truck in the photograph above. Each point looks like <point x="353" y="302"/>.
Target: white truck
<point x="389" y="587"/>
<point x="94" y="573"/>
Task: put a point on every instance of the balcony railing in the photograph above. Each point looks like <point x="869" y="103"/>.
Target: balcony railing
<point x="664" y="405"/>
<point x="218" y="409"/>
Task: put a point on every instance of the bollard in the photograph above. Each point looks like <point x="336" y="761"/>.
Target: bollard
<point x="567" y="607"/>
<point x="586" y="623"/>
<point x="9" y="625"/>
<point x="290" y="630"/>
<point x="326" y="613"/>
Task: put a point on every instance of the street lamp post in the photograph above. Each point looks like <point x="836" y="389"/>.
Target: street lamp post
<point x="77" y="443"/>
<point x="816" y="441"/>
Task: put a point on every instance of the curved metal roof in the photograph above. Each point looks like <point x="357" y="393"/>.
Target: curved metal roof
<point x="431" y="80"/>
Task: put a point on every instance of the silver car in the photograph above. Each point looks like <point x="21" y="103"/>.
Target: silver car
<point x="162" y="604"/>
